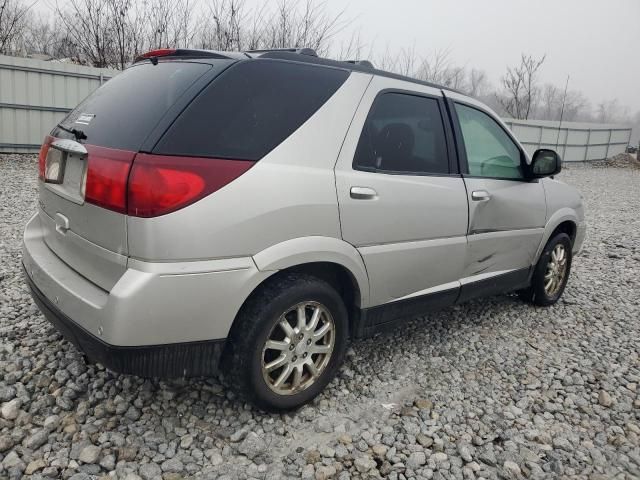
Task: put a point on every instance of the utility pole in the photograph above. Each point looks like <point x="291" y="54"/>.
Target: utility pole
<point x="564" y="99"/>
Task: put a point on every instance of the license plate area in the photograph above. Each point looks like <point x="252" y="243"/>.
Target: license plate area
<point x="65" y="173"/>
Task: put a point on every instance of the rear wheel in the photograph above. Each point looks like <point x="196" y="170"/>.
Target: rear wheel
<point x="551" y="272"/>
<point x="288" y="342"/>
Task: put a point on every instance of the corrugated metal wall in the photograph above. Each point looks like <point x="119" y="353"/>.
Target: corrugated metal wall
<point x="35" y="95"/>
<point x="575" y="142"/>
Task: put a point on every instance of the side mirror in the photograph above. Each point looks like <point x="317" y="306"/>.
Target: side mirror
<point x="545" y="163"/>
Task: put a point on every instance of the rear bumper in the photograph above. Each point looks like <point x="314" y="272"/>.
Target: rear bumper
<point x="159" y="318"/>
<point x="167" y="361"/>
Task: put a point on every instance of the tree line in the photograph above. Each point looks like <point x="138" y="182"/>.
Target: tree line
<point x="112" y="33"/>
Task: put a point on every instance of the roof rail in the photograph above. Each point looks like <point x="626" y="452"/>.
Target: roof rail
<point x="302" y="51"/>
<point x="302" y="56"/>
<point x="362" y="63"/>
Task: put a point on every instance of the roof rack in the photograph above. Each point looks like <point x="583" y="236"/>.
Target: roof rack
<point x="301" y="51"/>
<point x="303" y="55"/>
<point x="363" y="63"/>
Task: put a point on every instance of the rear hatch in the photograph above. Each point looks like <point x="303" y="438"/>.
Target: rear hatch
<point x="84" y="164"/>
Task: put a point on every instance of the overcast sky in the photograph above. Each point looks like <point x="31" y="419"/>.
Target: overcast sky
<point x="596" y="42"/>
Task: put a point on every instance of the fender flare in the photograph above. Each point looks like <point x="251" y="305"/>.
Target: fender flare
<point x="299" y="251"/>
<point x="559" y="216"/>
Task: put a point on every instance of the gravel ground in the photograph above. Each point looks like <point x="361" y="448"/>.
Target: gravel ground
<point x="491" y="389"/>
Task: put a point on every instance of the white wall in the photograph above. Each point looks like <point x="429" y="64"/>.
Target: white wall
<point x="35" y="95"/>
<point x="574" y="141"/>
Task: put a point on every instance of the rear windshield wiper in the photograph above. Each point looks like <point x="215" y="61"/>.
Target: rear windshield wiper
<point x="79" y="134"/>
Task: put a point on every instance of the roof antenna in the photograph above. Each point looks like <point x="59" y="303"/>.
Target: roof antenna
<point x="564" y="99"/>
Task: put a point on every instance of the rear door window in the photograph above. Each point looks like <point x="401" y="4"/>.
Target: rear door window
<point x="122" y="112"/>
<point x="403" y="134"/>
<point x="250" y="109"/>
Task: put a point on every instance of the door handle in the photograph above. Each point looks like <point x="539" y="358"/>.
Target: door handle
<point x="480" y="196"/>
<point x="363" y="193"/>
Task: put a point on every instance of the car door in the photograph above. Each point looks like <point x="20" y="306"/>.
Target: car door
<point x="402" y="203"/>
<point x="507" y="211"/>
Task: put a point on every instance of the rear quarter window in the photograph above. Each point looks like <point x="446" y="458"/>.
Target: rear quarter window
<point x="250" y="109"/>
<point x="122" y="112"/>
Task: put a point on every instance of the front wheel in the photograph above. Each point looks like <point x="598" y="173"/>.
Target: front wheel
<point x="551" y="272"/>
<point x="288" y="342"/>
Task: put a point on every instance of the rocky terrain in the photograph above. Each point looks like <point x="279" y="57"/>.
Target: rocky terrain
<point x="622" y="160"/>
<point x="491" y="389"/>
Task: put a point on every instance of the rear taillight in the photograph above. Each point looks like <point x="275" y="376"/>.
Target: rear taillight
<point x="163" y="184"/>
<point x="105" y="183"/>
<point x="146" y="185"/>
<point x="42" y="156"/>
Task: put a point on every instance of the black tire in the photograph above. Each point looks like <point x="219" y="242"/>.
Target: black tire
<point x="536" y="292"/>
<point x="242" y="363"/>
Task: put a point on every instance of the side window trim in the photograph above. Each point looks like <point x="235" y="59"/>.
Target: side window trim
<point x="461" y="148"/>
<point x="452" y="158"/>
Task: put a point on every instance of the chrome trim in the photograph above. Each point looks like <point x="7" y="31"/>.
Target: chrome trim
<point x="427" y="291"/>
<point x="484" y="276"/>
<point x="69" y="146"/>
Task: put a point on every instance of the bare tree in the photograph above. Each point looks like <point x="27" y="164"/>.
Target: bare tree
<point x="520" y="87"/>
<point x="478" y="84"/>
<point x="230" y="25"/>
<point x="404" y="62"/>
<point x="40" y="37"/>
<point x="122" y="24"/>
<point x="13" y="20"/>
<point x="351" y="49"/>
<point x="436" y="67"/>
<point x="550" y="103"/>
<point x="224" y="25"/>
<point x="88" y="25"/>
<point x="308" y="23"/>
<point x="170" y="23"/>
<point x="576" y="106"/>
<point x="607" y="111"/>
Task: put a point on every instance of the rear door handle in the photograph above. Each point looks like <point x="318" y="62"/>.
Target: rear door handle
<point x="480" y="196"/>
<point x="363" y="193"/>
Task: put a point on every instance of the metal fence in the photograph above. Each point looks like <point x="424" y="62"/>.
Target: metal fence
<point x="575" y="142"/>
<point x="35" y="95"/>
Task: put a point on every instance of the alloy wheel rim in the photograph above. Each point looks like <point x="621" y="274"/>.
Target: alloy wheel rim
<point x="298" y="348"/>
<point x="556" y="270"/>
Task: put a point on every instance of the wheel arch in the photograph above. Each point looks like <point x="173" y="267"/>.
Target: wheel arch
<point x="564" y="220"/>
<point x="330" y="259"/>
<point x="322" y="257"/>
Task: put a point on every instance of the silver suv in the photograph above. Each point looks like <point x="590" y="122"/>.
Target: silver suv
<point x="251" y="212"/>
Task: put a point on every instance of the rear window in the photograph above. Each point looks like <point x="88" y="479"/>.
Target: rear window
<point x="250" y="109"/>
<point x="122" y="112"/>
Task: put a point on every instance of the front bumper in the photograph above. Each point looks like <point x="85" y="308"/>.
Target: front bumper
<point x="167" y="361"/>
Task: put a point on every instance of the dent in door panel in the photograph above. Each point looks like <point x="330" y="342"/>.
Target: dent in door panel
<point x="496" y="251"/>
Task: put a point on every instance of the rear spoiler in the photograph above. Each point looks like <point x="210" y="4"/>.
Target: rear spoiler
<point x="153" y="55"/>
